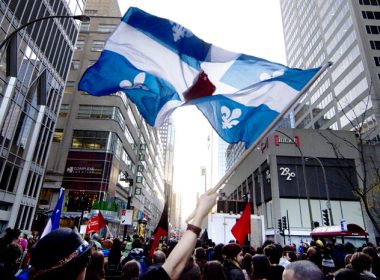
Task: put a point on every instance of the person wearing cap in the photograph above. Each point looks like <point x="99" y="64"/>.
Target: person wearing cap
<point x="61" y="254"/>
<point x="181" y="253"/>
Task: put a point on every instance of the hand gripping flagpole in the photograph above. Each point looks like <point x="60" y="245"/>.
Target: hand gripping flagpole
<point x="270" y="127"/>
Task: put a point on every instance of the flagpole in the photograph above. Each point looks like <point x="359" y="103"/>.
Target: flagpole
<point x="272" y="125"/>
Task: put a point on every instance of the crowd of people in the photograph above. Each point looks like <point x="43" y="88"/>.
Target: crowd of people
<point x="64" y="254"/>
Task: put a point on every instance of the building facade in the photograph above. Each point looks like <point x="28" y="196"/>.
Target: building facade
<point x="103" y="153"/>
<point x="273" y="177"/>
<point x="345" y="32"/>
<point x="31" y="93"/>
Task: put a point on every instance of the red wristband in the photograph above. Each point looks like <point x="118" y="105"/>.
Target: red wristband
<point x="195" y="229"/>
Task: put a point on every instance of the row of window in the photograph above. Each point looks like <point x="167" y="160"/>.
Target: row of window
<point x="370" y="15"/>
<point x="97" y="45"/>
<point x="370" y="2"/>
<point x="107" y="28"/>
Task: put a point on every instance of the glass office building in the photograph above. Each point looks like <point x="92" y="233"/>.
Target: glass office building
<point x="43" y="52"/>
<point x="345" y="32"/>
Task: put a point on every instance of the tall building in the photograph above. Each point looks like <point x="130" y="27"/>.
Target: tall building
<point x="104" y="154"/>
<point x="346" y="33"/>
<point x="37" y="68"/>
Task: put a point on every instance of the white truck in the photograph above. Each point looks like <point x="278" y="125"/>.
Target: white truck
<point x="220" y="224"/>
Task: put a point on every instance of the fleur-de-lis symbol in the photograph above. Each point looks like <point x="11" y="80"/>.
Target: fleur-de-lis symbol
<point x="138" y="82"/>
<point x="180" y="32"/>
<point x="265" y="76"/>
<point x="229" y="118"/>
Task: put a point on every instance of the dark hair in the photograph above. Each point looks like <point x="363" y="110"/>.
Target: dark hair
<point x="261" y="266"/>
<point x="370" y="251"/>
<point x="360" y="262"/>
<point x="231" y="250"/>
<point x="200" y="253"/>
<point x="273" y="252"/>
<point x="247" y="263"/>
<point x="292" y="256"/>
<point x="95" y="269"/>
<point x="347" y="274"/>
<point x="191" y="270"/>
<point x="214" y="271"/>
<point x="218" y="252"/>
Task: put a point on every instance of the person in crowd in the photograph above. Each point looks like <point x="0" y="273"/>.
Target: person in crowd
<point x="114" y="256"/>
<point x="371" y="251"/>
<point x="314" y="256"/>
<point x="362" y="263"/>
<point x="346" y="274"/>
<point x="347" y="261"/>
<point x="95" y="270"/>
<point x="218" y="256"/>
<point x="214" y="271"/>
<point x="247" y="265"/>
<point x="200" y="258"/>
<point x="179" y="256"/>
<point x="11" y="261"/>
<point x="260" y="267"/>
<point x="274" y="252"/>
<point x="131" y="270"/>
<point x="233" y="254"/>
<point x="137" y="253"/>
<point x="191" y="271"/>
<point x="301" y="270"/>
<point x="291" y="256"/>
<point x="60" y="255"/>
<point x="159" y="258"/>
<point x="10" y="236"/>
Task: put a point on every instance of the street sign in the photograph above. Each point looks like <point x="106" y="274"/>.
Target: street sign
<point x="126" y="217"/>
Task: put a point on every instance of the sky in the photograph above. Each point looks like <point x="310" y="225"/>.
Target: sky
<point x="252" y="27"/>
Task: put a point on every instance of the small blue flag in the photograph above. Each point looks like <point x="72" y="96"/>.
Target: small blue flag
<point x="53" y="222"/>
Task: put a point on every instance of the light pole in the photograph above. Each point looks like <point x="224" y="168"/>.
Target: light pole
<point x="328" y="204"/>
<point x="304" y="177"/>
<point x="82" y="18"/>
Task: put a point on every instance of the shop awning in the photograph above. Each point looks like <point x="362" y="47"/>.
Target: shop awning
<point x="331" y="231"/>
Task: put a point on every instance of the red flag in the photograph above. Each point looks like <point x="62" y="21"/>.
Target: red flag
<point x="96" y="223"/>
<point x="161" y="230"/>
<point x="243" y="226"/>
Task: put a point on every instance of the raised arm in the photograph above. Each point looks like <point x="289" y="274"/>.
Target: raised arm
<point x="177" y="259"/>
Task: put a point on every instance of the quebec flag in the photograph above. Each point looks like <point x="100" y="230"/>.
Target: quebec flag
<point x="160" y="66"/>
<point x="53" y="222"/>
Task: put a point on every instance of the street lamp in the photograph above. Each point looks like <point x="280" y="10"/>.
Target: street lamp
<point x="82" y="18"/>
<point x="304" y="177"/>
<point x="328" y="204"/>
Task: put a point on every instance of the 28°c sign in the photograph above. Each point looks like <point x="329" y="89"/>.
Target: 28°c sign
<point x="287" y="173"/>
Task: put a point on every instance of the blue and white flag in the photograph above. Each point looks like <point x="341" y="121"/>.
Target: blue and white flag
<point x="53" y="222"/>
<point x="161" y="65"/>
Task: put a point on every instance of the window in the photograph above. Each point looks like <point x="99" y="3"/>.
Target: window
<point x="87" y="139"/>
<point x="97" y="46"/>
<point x="64" y="110"/>
<point x="75" y="64"/>
<point x="372" y="29"/>
<point x="377" y="60"/>
<point x="79" y="45"/>
<point x="90" y="12"/>
<point x="58" y="135"/>
<point x="375" y="45"/>
<point x="106" y="27"/>
<point x="85" y="26"/>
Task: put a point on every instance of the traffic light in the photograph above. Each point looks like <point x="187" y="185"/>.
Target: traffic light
<point x="325" y="215"/>
<point x="284" y="223"/>
<point x="280" y="225"/>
